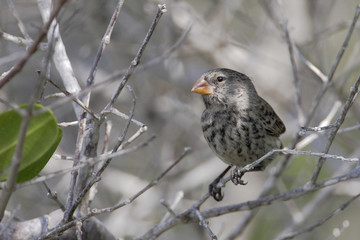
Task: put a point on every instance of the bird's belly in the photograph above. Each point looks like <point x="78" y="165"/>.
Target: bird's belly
<point x="236" y="142"/>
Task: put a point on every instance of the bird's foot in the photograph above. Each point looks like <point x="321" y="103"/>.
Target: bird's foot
<point x="236" y="176"/>
<point x="215" y="191"/>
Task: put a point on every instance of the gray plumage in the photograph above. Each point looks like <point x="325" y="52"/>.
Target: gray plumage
<point x="239" y="125"/>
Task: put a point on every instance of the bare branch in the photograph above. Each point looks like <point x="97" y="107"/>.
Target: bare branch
<point x="60" y="58"/>
<point x="18" y="19"/>
<point x="126" y="117"/>
<point x="126" y="202"/>
<point x="32" y="49"/>
<point x="321" y="221"/>
<point x="178" y="197"/>
<point x="205" y="224"/>
<point x="345" y="43"/>
<point x="119" y="146"/>
<point x="168" y="208"/>
<point x="53" y="196"/>
<point x="19" y="148"/>
<point x="68" y="124"/>
<point x="136" y="61"/>
<point x="105" y="41"/>
<point x="311" y="66"/>
<point x="334" y="66"/>
<point x="75" y="100"/>
<point x="348" y="129"/>
<point x="339" y="122"/>
<point x="83" y="162"/>
<point x="296" y="82"/>
<point x="22" y="41"/>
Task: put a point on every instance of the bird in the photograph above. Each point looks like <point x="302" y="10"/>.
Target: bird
<point x="239" y="126"/>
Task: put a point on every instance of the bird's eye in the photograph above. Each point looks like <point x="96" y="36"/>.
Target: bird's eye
<point x="220" y="79"/>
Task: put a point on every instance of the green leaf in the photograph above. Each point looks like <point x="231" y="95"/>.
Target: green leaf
<point x="42" y="138"/>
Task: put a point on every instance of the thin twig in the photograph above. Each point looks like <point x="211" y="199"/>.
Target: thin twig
<point x="290" y="43"/>
<point x="105" y="41"/>
<point x="154" y="182"/>
<point x="53" y="196"/>
<point x="16" y="160"/>
<point x="345" y="44"/>
<point x="284" y="161"/>
<point x="53" y="95"/>
<point x="18" y="19"/>
<point x="141" y="67"/>
<point x="168" y="208"/>
<point x="127" y="125"/>
<point x="323" y="123"/>
<point x="19" y="149"/>
<point x="32" y="49"/>
<point x="76" y="100"/>
<point x="348" y="129"/>
<point x="22" y="41"/>
<point x="68" y="124"/>
<point x="190" y="216"/>
<point x="156" y="60"/>
<point x="178" y="197"/>
<point x="320" y="222"/>
<point x="117" y="147"/>
<point x="108" y="128"/>
<point x="83" y="162"/>
<point x="63" y="227"/>
<point x="204" y="223"/>
<point x="311" y="66"/>
<point x="334" y="66"/>
<point x="339" y="122"/>
<point x="97" y="176"/>
<point x="60" y="58"/>
<point x="313" y="205"/>
<point x="126" y="117"/>
<point x="136" y="61"/>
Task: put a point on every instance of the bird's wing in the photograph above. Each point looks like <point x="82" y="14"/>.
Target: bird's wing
<point x="273" y="125"/>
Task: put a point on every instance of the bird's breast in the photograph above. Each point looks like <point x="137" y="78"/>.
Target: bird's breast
<point x="236" y="137"/>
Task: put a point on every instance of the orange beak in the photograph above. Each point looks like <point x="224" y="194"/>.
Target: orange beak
<point x="202" y="87"/>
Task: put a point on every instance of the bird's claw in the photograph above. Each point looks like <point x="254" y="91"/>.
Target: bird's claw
<point x="236" y="176"/>
<point x="215" y="191"/>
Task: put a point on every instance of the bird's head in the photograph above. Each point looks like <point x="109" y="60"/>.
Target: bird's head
<point x="224" y="86"/>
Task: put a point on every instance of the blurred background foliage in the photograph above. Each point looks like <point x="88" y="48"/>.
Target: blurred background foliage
<point x="243" y="35"/>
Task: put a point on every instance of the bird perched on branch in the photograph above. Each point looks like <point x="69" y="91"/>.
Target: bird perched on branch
<point x="239" y="126"/>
